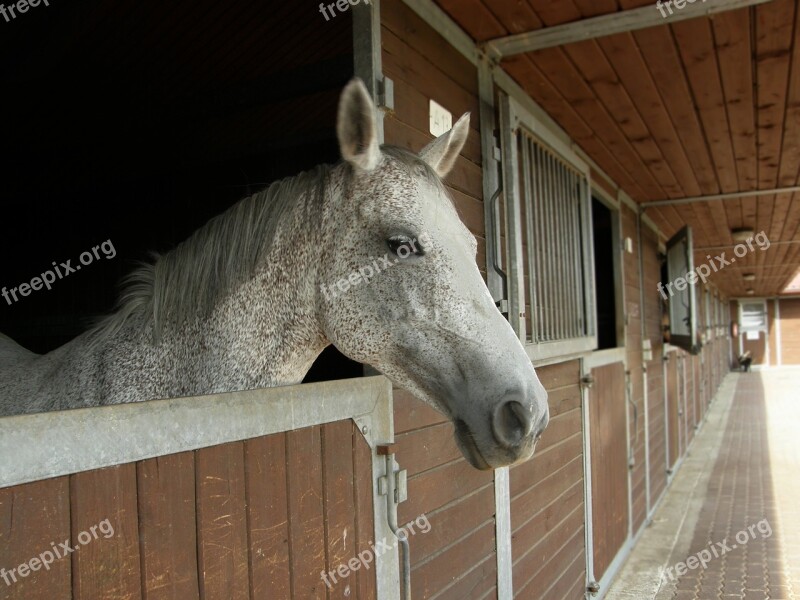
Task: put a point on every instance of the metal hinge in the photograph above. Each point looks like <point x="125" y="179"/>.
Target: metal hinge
<point x="386" y="93"/>
<point x="502" y="306"/>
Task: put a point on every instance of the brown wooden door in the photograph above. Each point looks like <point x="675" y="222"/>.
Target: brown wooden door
<point x="264" y="518"/>
<point x="609" y="462"/>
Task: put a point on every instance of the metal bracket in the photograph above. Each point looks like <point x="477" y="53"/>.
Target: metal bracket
<point x="386" y="93"/>
<point x="502" y="306"/>
<point x="399" y="487"/>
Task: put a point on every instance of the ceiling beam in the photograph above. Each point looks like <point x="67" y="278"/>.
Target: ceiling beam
<point x="730" y="196"/>
<point x="652" y="15"/>
<point x="722" y="247"/>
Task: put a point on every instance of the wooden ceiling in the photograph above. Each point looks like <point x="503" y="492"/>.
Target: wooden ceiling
<point x="694" y="108"/>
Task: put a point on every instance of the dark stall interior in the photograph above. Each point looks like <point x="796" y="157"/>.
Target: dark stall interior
<point x="133" y="123"/>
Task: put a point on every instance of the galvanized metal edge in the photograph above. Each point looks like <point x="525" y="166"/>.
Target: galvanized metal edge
<point x="40" y="446"/>
<point x="502" y="503"/>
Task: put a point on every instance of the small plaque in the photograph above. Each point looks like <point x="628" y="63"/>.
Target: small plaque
<point x="441" y="119"/>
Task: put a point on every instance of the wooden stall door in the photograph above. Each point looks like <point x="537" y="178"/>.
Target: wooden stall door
<point x="258" y="519"/>
<point x="609" y="460"/>
<point x="790" y="331"/>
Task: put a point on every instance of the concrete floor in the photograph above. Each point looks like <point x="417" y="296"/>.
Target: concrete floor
<point x="729" y="525"/>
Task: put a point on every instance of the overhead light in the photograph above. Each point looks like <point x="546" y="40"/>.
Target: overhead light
<point x="749" y="277"/>
<point x="742" y="234"/>
<point x="750" y="292"/>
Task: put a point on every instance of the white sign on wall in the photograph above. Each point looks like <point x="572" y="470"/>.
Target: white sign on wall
<point x="441" y="119"/>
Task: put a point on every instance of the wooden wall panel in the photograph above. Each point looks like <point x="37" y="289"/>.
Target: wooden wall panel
<point x="306" y="512"/>
<point x="338" y="489"/>
<point x="772" y="339"/>
<point x="656" y="429"/>
<point x="654" y="374"/>
<point x="167" y="527"/>
<point x="609" y="456"/>
<point x="672" y="407"/>
<point x="267" y="517"/>
<point x="363" y="508"/>
<point x="790" y="331"/>
<point x="33" y="517"/>
<point x="222" y="522"/>
<point x="107" y="566"/>
<point x="547" y="503"/>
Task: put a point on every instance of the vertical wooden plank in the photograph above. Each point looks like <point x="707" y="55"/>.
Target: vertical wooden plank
<point x="106" y="561"/>
<point x="364" y="515"/>
<point x="338" y="489"/>
<point x="167" y="527"/>
<point x="268" y="517"/>
<point x="33" y="517"/>
<point x="672" y="408"/>
<point x="222" y="522"/>
<point x="306" y="528"/>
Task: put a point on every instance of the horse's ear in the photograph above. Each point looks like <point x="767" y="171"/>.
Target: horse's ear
<point x="442" y="152"/>
<point x="357" y="127"/>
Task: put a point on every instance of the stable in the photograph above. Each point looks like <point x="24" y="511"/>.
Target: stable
<point x="611" y="150"/>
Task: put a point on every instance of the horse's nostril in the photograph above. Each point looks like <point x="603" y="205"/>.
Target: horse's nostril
<point x="512" y="423"/>
<point x="542" y="425"/>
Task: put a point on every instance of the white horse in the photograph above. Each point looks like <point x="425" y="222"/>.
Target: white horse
<point x="369" y="255"/>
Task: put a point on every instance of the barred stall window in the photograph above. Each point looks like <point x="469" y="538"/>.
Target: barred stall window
<point x="753" y="316"/>
<point x="549" y="239"/>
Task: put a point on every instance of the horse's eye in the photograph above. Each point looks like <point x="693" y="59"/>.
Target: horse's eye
<point x="403" y="246"/>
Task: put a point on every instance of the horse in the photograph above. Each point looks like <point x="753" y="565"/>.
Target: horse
<point x="369" y="255"/>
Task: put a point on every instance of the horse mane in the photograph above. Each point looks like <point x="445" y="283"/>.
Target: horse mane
<point x="191" y="278"/>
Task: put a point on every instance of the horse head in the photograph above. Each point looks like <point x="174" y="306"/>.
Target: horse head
<point x="400" y="290"/>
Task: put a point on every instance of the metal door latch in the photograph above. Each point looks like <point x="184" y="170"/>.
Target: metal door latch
<point x="394" y="485"/>
<point x="400" y="487"/>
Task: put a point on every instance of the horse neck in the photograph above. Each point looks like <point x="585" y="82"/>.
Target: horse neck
<point x="269" y="326"/>
<point x="264" y="333"/>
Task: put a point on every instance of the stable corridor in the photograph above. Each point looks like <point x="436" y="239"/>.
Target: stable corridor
<point x="729" y="526"/>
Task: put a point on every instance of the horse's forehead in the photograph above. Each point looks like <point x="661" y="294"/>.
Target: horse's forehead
<point x="409" y="189"/>
<point x="397" y="178"/>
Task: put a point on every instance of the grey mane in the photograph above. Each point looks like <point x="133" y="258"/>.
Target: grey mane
<point x="190" y="279"/>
